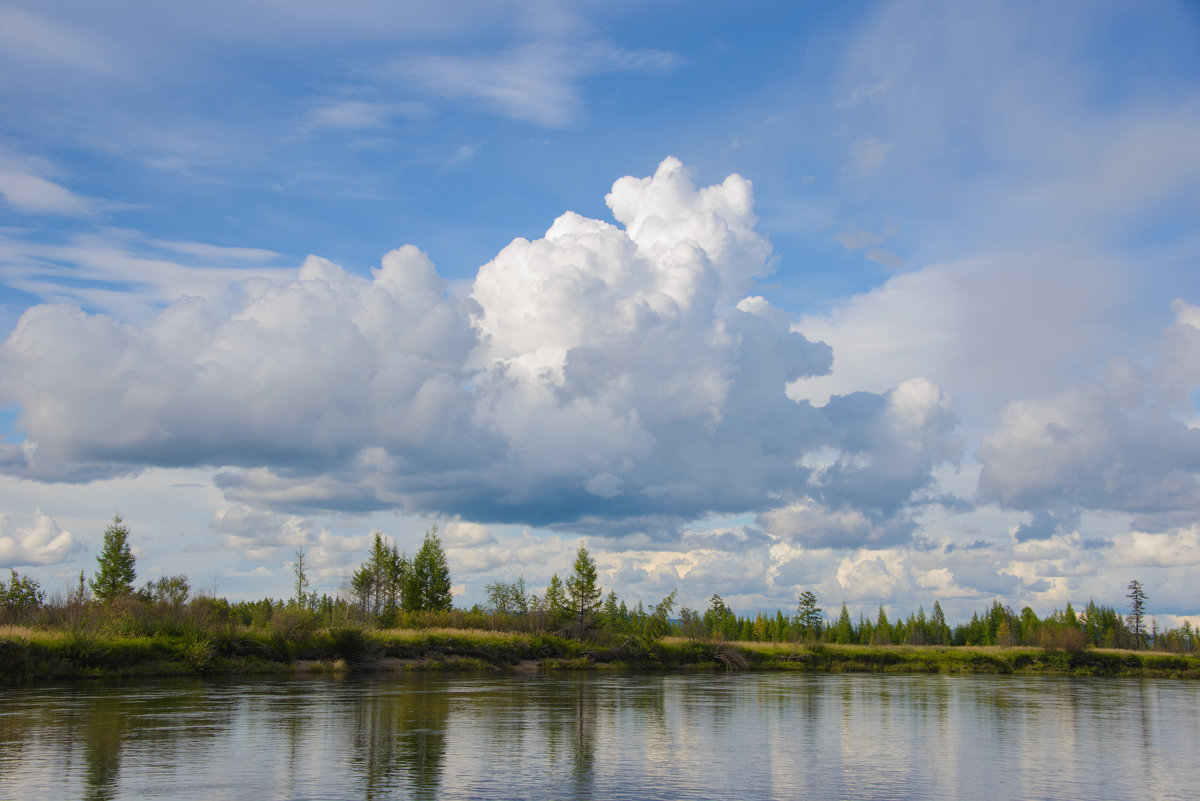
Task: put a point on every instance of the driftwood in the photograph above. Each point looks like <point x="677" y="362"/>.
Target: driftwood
<point x="732" y="658"/>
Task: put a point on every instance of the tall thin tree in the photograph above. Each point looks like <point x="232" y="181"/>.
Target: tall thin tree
<point x="582" y="588"/>
<point x="301" y="579"/>
<point x="1137" y="610"/>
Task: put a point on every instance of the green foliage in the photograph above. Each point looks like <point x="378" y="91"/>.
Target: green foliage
<point x="160" y="623"/>
<point x="301" y="577"/>
<point x="554" y="602"/>
<point x="20" y="597"/>
<point x="168" y="590"/>
<point x="347" y="643"/>
<point x="116" y="573"/>
<point x="658" y="622"/>
<point x="380" y="587"/>
<point x="843" y="630"/>
<point x="808" y="615"/>
<point x="428" y="589"/>
<point x="691" y="624"/>
<point x="939" y="632"/>
<point x="1104" y="627"/>
<point x="883" y="634"/>
<point x="719" y="620"/>
<point x="583" y="591"/>
<point x="1137" y="610"/>
<point x="508" y="598"/>
<point x="613" y="614"/>
<point x="129" y="636"/>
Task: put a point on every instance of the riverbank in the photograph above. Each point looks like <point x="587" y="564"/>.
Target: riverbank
<point x="30" y="655"/>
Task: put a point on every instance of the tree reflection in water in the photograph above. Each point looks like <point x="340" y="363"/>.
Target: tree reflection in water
<point x="399" y="739"/>
<point x="584" y="736"/>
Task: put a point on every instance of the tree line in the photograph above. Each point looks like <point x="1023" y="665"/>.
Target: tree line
<point x="390" y="590"/>
<point x="575" y="605"/>
<point x="389" y="583"/>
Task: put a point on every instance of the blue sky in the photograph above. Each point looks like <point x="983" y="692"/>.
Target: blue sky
<point x="892" y="301"/>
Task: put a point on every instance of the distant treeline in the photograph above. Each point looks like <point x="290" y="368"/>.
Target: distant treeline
<point x="390" y="591"/>
<point x="1097" y="625"/>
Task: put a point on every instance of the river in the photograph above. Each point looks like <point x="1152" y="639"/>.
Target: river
<point x="600" y="736"/>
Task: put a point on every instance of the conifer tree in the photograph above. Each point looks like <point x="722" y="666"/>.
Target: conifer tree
<point x="583" y="592"/>
<point x="921" y="635"/>
<point x="717" y="618"/>
<point x="1069" y="617"/>
<point x="1137" y="610"/>
<point x="302" y="581"/>
<point x="554" y="601"/>
<point x="362" y="585"/>
<point x="429" y="585"/>
<point x="883" y="629"/>
<point x="844" y="631"/>
<point x="379" y="564"/>
<point x="116" y="574"/>
<point x="938" y="628"/>
<point x="808" y="615"/>
<point x="783" y="629"/>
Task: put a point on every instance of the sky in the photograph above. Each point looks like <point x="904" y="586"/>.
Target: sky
<point x="894" y="302"/>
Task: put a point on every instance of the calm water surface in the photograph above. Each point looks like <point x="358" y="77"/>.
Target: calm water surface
<point x="743" y="736"/>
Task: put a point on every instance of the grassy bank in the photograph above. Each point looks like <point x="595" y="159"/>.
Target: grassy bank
<point x="972" y="659"/>
<point x="32" y="655"/>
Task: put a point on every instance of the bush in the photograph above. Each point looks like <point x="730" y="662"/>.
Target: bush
<point x="347" y="643"/>
<point x="20" y="598"/>
<point x="1068" y="639"/>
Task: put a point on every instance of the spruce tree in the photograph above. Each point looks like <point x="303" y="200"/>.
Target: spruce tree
<point x="115" y="577"/>
<point x="582" y="590"/>
<point x="554" y="600"/>
<point x="429" y="584"/>
<point x="883" y="629"/>
<point x="938" y="627"/>
<point x="362" y="585"/>
<point x="845" y="627"/>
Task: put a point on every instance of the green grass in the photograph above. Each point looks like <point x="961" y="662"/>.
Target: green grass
<point x="33" y="654"/>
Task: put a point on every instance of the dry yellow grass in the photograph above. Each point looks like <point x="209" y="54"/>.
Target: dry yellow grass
<point x="27" y="634"/>
<point x="476" y="634"/>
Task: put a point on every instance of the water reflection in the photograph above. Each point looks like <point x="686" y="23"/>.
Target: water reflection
<point x="95" y="729"/>
<point x="398" y="738"/>
<point x="587" y="736"/>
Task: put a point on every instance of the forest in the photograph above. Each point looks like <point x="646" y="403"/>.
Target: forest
<point x="390" y="592"/>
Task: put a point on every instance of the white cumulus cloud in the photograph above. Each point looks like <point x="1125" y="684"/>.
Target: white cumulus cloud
<point x="42" y="542"/>
<point x="604" y="377"/>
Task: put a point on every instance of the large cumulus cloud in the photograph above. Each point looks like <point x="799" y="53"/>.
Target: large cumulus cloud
<point x="623" y="376"/>
<point x="1125" y="443"/>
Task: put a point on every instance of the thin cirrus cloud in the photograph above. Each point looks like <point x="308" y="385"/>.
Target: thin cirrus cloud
<point x="618" y="375"/>
<point x="30" y="194"/>
<point x="854" y="239"/>
<point x="99" y="270"/>
<point x="866" y="156"/>
<point x="28" y="38"/>
<point x="537" y="82"/>
<point x="358" y="114"/>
